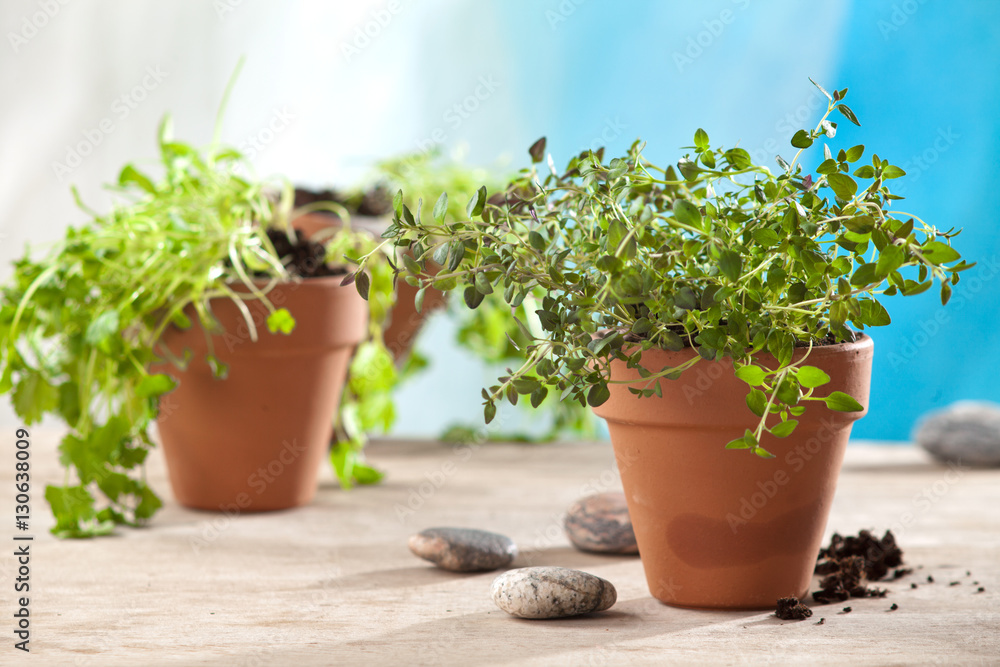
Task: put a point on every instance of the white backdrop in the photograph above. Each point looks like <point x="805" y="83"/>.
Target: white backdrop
<point x="327" y="88"/>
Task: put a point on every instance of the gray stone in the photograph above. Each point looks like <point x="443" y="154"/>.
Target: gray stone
<point x="464" y="549"/>
<point x="551" y="592"/>
<point x="967" y="433"/>
<point x="600" y="524"/>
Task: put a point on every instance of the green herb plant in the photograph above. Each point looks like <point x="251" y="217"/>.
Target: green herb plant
<point x="714" y="253"/>
<point x="79" y="327"/>
<point x="490" y="331"/>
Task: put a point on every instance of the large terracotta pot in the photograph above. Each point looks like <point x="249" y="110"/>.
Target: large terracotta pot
<point x="404" y="321"/>
<point x="720" y="528"/>
<point x="256" y="440"/>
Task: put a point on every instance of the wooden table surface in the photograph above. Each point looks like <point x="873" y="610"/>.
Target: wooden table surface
<point x="334" y="583"/>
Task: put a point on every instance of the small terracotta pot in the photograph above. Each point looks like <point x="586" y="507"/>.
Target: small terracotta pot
<point x="404" y="321"/>
<point x="720" y="528"/>
<point x="256" y="440"/>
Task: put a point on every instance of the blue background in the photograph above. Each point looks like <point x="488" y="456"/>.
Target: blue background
<point x="923" y="79"/>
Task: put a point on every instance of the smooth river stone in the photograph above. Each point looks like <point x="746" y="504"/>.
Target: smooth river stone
<point x="551" y="592"/>
<point x="464" y="549"/>
<point x="600" y="523"/>
<point x="966" y="433"/>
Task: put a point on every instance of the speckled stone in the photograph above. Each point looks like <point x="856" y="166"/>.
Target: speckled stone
<point x="551" y="592"/>
<point x="966" y="433"/>
<point x="464" y="549"/>
<point x="600" y="524"/>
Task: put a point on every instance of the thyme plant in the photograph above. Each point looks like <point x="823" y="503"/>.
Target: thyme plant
<point x="713" y="253"/>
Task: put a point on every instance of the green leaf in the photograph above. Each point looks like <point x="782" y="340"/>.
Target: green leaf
<point x="892" y="171"/>
<point x="841" y="402"/>
<point x="154" y="385"/>
<point x="854" y="153"/>
<point x="889" y="260"/>
<point x="33" y="396"/>
<point x="598" y="395"/>
<point x="537" y="241"/>
<point x="473" y="297"/>
<point x="101" y="327"/>
<point x="731" y="264"/>
<point x="939" y="253"/>
<point x="810" y="376"/>
<point x="827" y="167"/>
<point x="752" y="375"/>
<point x="865" y="171"/>
<point x="687" y="213"/>
<point x="701" y="139"/>
<point x="441" y="208"/>
<point x="860" y="224"/>
<point x="873" y="313"/>
<point x="132" y="175"/>
<point x="848" y="114"/>
<point x="489" y="411"/>
<point x="843" y="185"/>
<point x="537" y="151"/>
<point x="945" y="293"/>
<point x="477" y="203"/>
<point x="738" y="158"/>
<point x="765" y="237"/>
<point x="784" y="429"/>
<point x="757" y="402"/>
<point x="801" y="139"/>
<point x="738" y="443"/>
<point x="282" y="320"/>
<point x="864" y="275"/>
<point x="363" y="284"/>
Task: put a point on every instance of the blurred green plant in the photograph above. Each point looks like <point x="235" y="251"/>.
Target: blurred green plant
<point x="490" y="332"/>
<point x="79" y="327"/>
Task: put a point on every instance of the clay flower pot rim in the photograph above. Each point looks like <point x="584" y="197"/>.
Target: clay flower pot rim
<point x="861" y="341"/>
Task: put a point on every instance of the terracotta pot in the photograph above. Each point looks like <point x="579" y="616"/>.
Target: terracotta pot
<point x="720" y="528"/>
<point x="256" y="440"/>
<point x="404" y="321"/>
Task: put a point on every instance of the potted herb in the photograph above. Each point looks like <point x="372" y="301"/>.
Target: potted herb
<point x="195" y="278"/>
<point x="490" y="331"/>
<point x="700" y="308"/>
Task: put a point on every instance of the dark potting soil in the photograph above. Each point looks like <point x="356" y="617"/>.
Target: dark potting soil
<point x="303" y="258"/>
<point x="790" y="609"/>
<point x="373" y="202"/>
<point x="848" y="562"/>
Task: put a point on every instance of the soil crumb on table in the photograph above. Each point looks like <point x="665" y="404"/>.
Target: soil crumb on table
<point x="790" y="609"/>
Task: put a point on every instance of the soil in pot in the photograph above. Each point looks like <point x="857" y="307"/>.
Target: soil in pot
<point x="718" y="528"/>
<point x="369" y="211"/>
<point x="256" y="440"/>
